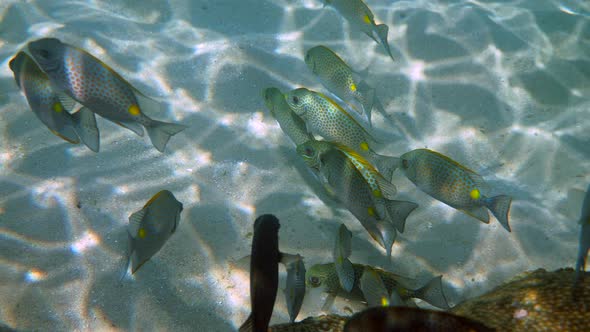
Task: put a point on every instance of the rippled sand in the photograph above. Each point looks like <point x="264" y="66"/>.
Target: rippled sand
<point x="500" y="86"/>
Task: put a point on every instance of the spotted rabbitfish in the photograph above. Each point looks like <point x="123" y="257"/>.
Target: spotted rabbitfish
<point x="360" y="187"/>
<point x="150" y="228"/>
<point x="48" y="107"/>
<point x="324" y="117"/>
<point x="325" y="276"/>
<point x="453" y="184"/>
<point x="99" y="88"/>
<point x="360" y="16"/>
<point x="338" y="78"/>
<point x="291" y="124"/>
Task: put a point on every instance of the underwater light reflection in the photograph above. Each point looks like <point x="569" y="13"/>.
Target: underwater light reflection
<point x="88" y="240"/>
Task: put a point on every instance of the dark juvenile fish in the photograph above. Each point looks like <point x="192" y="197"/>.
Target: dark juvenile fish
<point x="401" y="319"/>
<point x="537" y="301"/>
<point x="264" y="273"/>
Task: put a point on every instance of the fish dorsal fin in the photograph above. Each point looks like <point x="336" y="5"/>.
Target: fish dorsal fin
<point x="350" y="153"/>
<point x="67" y="102"/>
<point x="148" y="203"/>
<point x="451" y="161"/>
<point x="135" y="222"/>
<point x="343" y="111"/>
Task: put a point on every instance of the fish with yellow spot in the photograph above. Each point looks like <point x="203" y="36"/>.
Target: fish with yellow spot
<point x="338" y="78"/>
<point x="324" y="117"/>
<point x="48" y="107"/>
<point x="150" y="227"/>
<point x="79" y="75"/>
<point x="291" y="124"/>
<point x="360" y="16"/>
<point x="295" y="285"/>
<point x="324" y="275"/>
<point x="453" y="184"/>
<point x="360" y="188"/>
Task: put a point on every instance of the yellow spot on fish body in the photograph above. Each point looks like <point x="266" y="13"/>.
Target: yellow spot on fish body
<point x="353" y="87"/>
<point x="384" y="302"/>
<point x="57" y="108"/>
<point x="474" y="194"/>
<point x="133" y="110"/>
<point x="371" y="211"/>
<point x="367" y="19"/>
<point x="141" y="233"/>
<point x="365" y="146"/>
<point x="377" y="193"/>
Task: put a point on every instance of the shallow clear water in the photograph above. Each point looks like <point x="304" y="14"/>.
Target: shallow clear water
<point x="500" y="86"/>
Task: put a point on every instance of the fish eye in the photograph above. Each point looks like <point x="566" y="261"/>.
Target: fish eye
<point x="295" y="100"/>
<point x="308" y="151"/>
<point x="405" y="163"/>
<point x="314" y="281"/>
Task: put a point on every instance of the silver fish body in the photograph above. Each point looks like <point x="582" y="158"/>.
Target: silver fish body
<point x="295" y="286"/>
<point x="150" y="227"/>
<point x="338" y="78"/>
<point x="453" y="184"/>
<point x="95" y="85"/>
<point x="291" y="124"/>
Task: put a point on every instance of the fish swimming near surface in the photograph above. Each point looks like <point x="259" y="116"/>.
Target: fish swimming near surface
<point x="324" y="275"/>
<point x="291" y="124"/>
<point x="454" y="184"/>
<point x="362" y="189"/>
<point x="360" y="16"/>
<point x="324" y="117"/>
<point x="264" y="273"/>
<point x="534" y="301"/>
<point x="100" y="89"/>
<point x="342" y="250"/>
<point x="48" y="107"/>
<point x="339" y="79"/>
<point x="584" y="242"/>
<point x="150" y="228"/>
<point x="295" y="286"/>
<point x="403" y="319"/>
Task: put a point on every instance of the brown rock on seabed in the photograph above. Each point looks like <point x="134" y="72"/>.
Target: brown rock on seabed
<point x="535" y="301"/>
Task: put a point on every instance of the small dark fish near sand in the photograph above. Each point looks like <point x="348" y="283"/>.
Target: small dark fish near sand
<point x="264" y="273"/>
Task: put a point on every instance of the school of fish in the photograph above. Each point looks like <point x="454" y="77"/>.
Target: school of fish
<point x="331" y="131"/>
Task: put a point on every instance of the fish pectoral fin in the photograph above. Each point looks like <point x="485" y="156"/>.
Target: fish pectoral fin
<point x="135" y="222"/>
<point x="478" y="212"/>
<point x="67" y="102"/>
<point x="86" y="128"/>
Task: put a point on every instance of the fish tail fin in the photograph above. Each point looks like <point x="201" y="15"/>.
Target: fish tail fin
<point x="85" y="126"/>
<point x="398" y="213"/>
<point x="500" y="207"/>
<point x="386" y="236"/>
<point x="382" y="30"/>
<point x="367" y="99"/>
<point x="160" y="133"/>
<point x="248" y="325"/>
<point x="386" y="165"/>
<point x="433" y="293"/>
